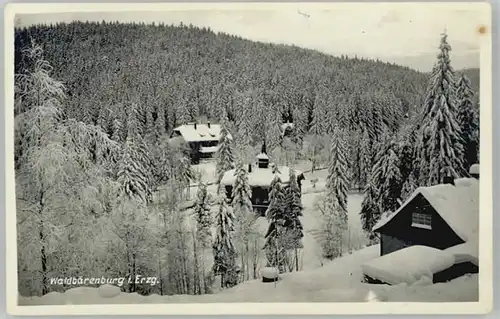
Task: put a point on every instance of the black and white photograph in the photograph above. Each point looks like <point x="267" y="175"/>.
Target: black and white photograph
<point x="216" y="154"/>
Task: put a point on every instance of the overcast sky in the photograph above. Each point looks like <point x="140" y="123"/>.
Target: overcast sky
<point x="404" y="35"/>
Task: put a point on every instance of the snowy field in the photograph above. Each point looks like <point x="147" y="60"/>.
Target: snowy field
<point x="336" y="281"/>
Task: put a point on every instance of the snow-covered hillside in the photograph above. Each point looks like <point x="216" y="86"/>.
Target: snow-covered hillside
<point x="336" y="281"/>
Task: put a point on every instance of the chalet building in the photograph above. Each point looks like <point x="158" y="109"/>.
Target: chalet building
<point x="444" y="217"/>
<point x="203" y="139"/>
<point x="260" y="175"/>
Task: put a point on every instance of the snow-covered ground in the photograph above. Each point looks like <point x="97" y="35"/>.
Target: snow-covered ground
<point x="339" y="280"/>
<point x="336" y="281"/>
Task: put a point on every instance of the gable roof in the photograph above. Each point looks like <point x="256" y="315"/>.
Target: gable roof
<point x="260" y="176"/>
<point x="458" y="206"/>
<point x="201" y="133"/>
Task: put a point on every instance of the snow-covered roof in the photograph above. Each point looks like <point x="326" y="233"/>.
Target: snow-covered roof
<point x="474" y="169"/>
<point x="408" y="265"/>
<point x="260" y="176"/>
<point x="210" y="149"/>
<point x="262" y="156"/>
<point x="466" y="252"/>
<point x="201" y="133"/>
<point x="457" y="204"/>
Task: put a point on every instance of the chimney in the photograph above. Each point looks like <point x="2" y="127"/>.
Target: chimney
<point x="249" y="168"/>
<point x="449" y="180"/>
<point x="208" y="124"/>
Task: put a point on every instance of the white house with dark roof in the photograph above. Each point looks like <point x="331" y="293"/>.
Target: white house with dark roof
<point x="203" y="139"/>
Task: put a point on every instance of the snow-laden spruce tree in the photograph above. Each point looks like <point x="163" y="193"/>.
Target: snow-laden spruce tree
<point x="383" y="191"/>
<point x="370" y="211"/>
<point x="242" y="192"/>
<point x="223" y="248"/>
<point x="131" y="175"/>
<point x="409" y="186"/>
<point x="334" y="205"/>
<point x="202" y="238"/>
<point x="468" y="121"/>
<point x="203" y="215"/>
<point x="159" y="124"/>
<point x="440" y="148"/>
<point x="273" y="130"/>
<point x="390" y="190"/>
<point x="135" y="167"/>
<point x="244" y="125"/>
<point x="365" y="157"/>
<point x="318" y="118"/>
<point x="337" y="181"/>
<point x="293" y="210"/>
<point x="225" y="153"/>
<point x="243" y="211"/>
<point x="275" y="214"/>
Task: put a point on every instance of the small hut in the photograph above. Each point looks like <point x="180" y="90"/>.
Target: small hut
<point x="437" y="223"/>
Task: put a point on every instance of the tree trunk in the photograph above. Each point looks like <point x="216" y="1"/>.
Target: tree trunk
<point x="196" y="279"/>
<point x="43" y="256"/>
<point x="134" y="273"/>
<point x="160" y="275"/>
<point x="296" y="259"/>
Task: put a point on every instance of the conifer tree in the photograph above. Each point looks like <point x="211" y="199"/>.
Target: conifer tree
<point x="386" y="177"/>
<point x="273" y="130"/>
<point x="293" y="210"/>
<point x="383" y="191"/>
<point x="318" y="117"/>
<point x="337" y="182"/>
<point x="440" y="148"/>
<point x="468" y="121"/>
<point x="366" y="158"/>
<point x="370" y="211"/>
<point x="275" y="214"/>
<point x="130" y="176"/>
<point x="135" y="167"/>
<point x="390" y="191"/>
<point x="224" y="155"/>
<point x="203" y="215"/>
<point x="223" y="248"/>
<point x="160" y="123"/>
<point x="242" y="192"/>
<point x="408" y="187"/>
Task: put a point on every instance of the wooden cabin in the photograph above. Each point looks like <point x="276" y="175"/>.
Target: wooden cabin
<point x="203" y="139"/>
<point x="260" y="176"/>
<point x="444" y="217"/>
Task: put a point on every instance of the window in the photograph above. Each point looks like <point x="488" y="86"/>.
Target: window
<point x="421" y="220"/>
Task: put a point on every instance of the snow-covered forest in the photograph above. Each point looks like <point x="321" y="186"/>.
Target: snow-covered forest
<point x="101" y="190"/>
